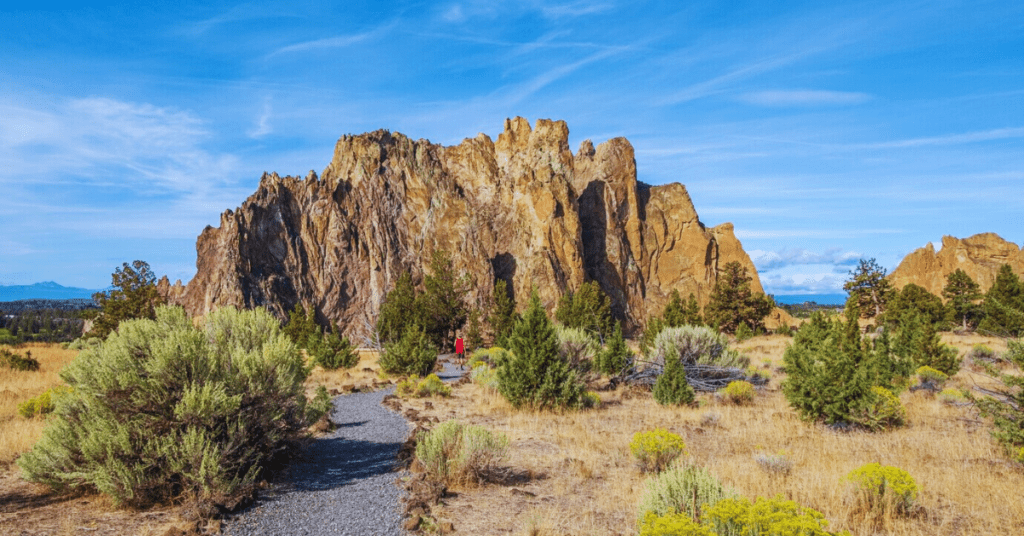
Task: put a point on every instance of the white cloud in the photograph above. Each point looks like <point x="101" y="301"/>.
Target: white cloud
<point x="803" y="97"/>
<point x="772" y="260"/>
<point x="262" y="127"/>
<point x="950" y="139"/>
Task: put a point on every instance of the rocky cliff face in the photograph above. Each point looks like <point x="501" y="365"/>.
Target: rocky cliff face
<point x="523" y="209"/>
<point x="980" y="256"/>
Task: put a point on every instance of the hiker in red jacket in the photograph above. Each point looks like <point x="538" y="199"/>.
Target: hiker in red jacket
<point x="460" y="353"/>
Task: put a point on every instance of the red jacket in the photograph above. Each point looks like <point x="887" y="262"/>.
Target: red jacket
<point x="458" y="346"/>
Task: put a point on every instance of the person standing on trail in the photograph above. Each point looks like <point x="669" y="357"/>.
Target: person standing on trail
<point x="460" y="352"/>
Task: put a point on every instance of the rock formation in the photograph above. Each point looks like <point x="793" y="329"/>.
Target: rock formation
<point x="523" y="209"/>
<point x="980" y="256"/>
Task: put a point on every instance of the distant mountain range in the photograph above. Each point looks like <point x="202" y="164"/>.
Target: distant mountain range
<point x="820" y="299"/>
<point x="47" y="290"/>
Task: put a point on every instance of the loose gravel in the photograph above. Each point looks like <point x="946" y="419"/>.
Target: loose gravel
<point x="343" y="483"/>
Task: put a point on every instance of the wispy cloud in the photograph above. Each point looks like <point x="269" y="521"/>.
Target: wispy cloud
<point x="813" y="233"/>
<point x="239" y="13"/>
<point x="339" y="41"/>
<point x="771" y="260"/>
<point x="950" y="139"/>
<point x="262" y="127"/>
<point x="803" y="97"/>
<point x="137" y="145"/>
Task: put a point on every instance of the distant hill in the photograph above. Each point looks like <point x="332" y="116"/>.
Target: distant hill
<point x="47" y="290"/>
<point x="820" y="299"/>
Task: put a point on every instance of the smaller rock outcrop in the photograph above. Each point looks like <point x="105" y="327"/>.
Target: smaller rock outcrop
<point x="980" y="256"/>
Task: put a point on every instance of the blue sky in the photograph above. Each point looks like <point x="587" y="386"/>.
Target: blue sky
<point x="825" y="132"/>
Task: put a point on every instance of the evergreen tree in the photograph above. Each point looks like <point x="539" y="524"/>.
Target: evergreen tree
<point x="443" y="300"/>
<point x="301" y="326"/>
<point x="677" y="313"/>
<point x="917" y="341"/>
<point x="535" y="375"/>
<point x="412" y="353"/>
<point x="1004" y="305"/>
<point x="616" y="356"/>
<point x="134" y="296"/>
<point x="830" y="373"/>
<point x="869" y="290"/>
<point x="331" y="350"/>
<point x="732" y="302"/>
<point x="503" y="315"/>
<point x="671" y="388"/>
<point x="474" y="334"/>
<point x="961" y="294"/>
<point x="1005" y="404"/>
<point x="913" y="299"/>
<point x="399" y="311"/>
<point x="588" y="308"/>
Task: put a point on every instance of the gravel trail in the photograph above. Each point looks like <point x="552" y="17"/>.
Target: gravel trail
<point x="343" y="483"/>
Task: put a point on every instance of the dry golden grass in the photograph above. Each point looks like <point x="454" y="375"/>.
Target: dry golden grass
<point x="365" y="375"/>
<point x="18" y="434"/>
<point x="572" y="473"/>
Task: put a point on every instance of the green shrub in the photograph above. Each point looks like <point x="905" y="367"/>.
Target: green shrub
<point x="743" y="332"/>
<point x="430" y="386"/>
<point x="681" y="489"/>
<point x="739" y="393"/>
<point x="454" y="452"/>
<point x="82" y="343"/>
<point x="320" y="406"/>
<point x="536" y="375"/>
<point x="332" y="351"/>
<point x="883" y="487"/>
<point x="1005" y="403"/>
<point x="614" y="359"/>
<point x="576" y="347"/>
<point x="42" y="404"/>
<point x="484" y="376"/>
<point x="982" y="353"/>
<point x="928" y="374"/>
<point x="952" y="397"/>
<point x="768" y="517"/>
<point x="917" y="340"/>
<point x="672" y="525"/>
<point x="830" y="374"/>
<point x="17" y="362"/>
<point x="696" y="345"/>
<point x="671" y="387"/>
<point x="491" y="356"/>
<point x="162" y="410"/>
<point x="883" y="412"/>
<point x="779" y="463"/>
<point x="784" y="330"/>
<point x="591" y="400"/>
<point x="411" y="354"/>
<point x="656" y="449"/>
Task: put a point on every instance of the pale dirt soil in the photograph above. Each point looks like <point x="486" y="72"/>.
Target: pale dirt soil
<point x="572" y="473"/>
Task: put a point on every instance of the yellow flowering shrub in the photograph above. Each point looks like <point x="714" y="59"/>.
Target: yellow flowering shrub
<point x="884" y="411"/>
<point x="739" y="392"/>
<point x="655" y="449"/>
<point x="883" y="487"/>
<point x="775" y="517"/>
<point x="672" y="525"/>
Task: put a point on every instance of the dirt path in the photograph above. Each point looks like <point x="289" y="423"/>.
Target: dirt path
<point x="344" y="483"/>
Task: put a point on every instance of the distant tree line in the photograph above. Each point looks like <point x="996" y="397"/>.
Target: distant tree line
<point x="998" y="311"/>
<point x="40" y="325"/>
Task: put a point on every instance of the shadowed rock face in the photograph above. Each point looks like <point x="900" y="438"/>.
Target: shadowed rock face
<point x="980" y="256"/>
<point x="523" y="209"/>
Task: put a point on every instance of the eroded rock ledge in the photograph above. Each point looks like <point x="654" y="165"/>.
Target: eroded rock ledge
<point x="524" y="209"/>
